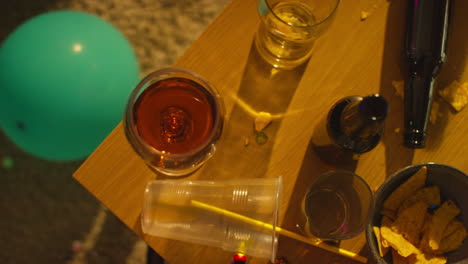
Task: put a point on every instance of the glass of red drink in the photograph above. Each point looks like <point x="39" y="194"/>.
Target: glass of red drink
<point x="173" y="120"/>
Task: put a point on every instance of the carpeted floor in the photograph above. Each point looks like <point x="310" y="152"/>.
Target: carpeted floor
<point x="47" y="217"/>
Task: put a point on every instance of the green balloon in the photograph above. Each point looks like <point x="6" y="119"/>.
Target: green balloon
<point x="65" y="77"/>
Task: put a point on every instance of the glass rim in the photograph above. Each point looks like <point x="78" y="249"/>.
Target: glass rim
<point x="328" y="173"/>
<point x="130" y="125"/>
<point x="329" y="16"/>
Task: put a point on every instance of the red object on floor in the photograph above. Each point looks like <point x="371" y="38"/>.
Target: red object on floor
<point x="239" y="259"/>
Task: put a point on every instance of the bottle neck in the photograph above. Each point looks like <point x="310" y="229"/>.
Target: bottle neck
<point x="426" y="42"/>
<point x="418" y="95"/>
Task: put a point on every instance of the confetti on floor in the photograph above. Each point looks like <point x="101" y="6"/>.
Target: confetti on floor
<point x="7" y="163"/>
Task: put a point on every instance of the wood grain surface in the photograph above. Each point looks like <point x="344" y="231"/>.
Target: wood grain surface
<point x="353" y="58"/>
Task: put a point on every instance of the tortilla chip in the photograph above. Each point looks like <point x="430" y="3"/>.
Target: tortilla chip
<point x="387" y="222"/>
<point x="262" y="120"/>
<point x="454" y="240"/>
<point x="410" y="222"/>
<point x="430" y="195"/>
<point x="417" y="227"/>
<point x="421" y="258"/>
<point x="453" y="226"/>
<point x="439" y="221"/>
<point x="406" y="189"/>
<point x="398" y="242"/>
<point x="382" y="249"/>
<point x="427" y="221"/>
<point x="388" y="213"/>
<point x="456" y="95"/>
<point x="397" y="259"/>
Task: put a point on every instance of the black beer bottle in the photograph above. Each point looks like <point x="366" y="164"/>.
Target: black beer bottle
<point x="426" y="41"/>
<point x="353" y="126"/>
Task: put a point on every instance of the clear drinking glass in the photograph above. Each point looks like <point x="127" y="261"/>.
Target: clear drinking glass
<point x="238" y="215"/>
<point x="337" y="205"/>
<point x="288" y="29"/>
<point x="173" y="119"/>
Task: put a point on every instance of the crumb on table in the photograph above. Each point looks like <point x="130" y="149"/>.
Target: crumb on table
<point x="399" y="87"/>
<point x="364" y="15"/>
<point x="262" y="120"/>
<point x="434" y="112"/>
<point x="456" y="95"/>
<point x="246" y="141"/>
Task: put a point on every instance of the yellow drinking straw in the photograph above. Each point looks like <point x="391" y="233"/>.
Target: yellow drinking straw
<point x="281" y="231"/>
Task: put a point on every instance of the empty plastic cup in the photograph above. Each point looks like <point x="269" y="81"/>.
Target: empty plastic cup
<point x="240" y="215"/>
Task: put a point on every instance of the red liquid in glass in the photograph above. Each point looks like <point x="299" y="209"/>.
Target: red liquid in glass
<point x="175" y="115"/>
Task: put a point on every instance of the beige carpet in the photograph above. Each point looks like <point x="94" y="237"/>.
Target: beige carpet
<point x="46" y="217"/>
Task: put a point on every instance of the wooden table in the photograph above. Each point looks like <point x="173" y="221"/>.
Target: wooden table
<point x="353" y="58"/>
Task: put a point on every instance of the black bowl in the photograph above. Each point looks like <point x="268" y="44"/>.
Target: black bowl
<point x="453" y="185"/>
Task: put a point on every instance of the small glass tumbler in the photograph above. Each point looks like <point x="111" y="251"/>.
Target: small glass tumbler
<point x="288" y="29"/>
<point x="337" y="205"/>
<point x="173" y="120"/>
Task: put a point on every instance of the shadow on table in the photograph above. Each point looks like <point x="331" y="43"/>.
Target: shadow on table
<point x="262" y="88"/>
<point x="453" y="69"/>
<point x="308" y="254"/>
<point x="294" y="220"/>
<point x="397" y="155"/>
